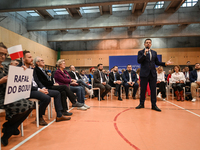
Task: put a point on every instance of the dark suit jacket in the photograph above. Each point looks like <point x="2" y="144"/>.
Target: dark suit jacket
<point x="125" y="76"/>
<point x="148" y="66"/>
<point x="111" y="78"/>
<point x="193" y="76"/>
<point x="96" y="77"/>
<point x="43" y="78"/>
<point x="72" y="75"/>
<point x="39" y="84"/>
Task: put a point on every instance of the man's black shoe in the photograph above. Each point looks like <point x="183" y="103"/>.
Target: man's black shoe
<point x="134" y="97"/>
<point x="127" y="97"/>
<point x="139" y="106"/>
<point x="67" y="113"/>
<point x="102" y="98"/>
<point x="155" y="108"/>
<point x="119" y="98"/>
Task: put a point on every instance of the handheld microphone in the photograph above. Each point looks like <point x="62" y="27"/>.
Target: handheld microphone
<point x="148" y="49"/>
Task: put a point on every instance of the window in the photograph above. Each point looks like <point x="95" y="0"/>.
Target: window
<point x="150" y="5"/>
<point x="121" y="7"/>
<point x="189" y="3"/>
<point x="159" y="5"/>
<point x="91" y="9"/>
<point x="32" y="13"/>
<point x="61" y="11"/>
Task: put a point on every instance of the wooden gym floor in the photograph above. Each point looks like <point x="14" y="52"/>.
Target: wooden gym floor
<point x="116" y="125"/>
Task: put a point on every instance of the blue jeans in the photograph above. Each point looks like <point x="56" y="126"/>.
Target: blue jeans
<point x="80" y="93"/>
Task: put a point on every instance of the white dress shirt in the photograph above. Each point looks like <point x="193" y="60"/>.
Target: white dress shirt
<point x="177" y="77"/>
<point x="161" y="76"/>
<point x="198" y="75"/>
<point x="75" y="75"/>
<point x="130" y="79"/>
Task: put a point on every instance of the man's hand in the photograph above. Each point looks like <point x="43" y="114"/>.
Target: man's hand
<point x="45" y="91"/>
<point x="129" y="83"/>
<point x="104" y="83"/>
<point x="177" y="82"/>
<point x="146" y="50"/>
<point x="73" y="80"/>
<point x="119" y="82"/>
<point x="4" y="79"/>
<point x="169" y="62"/>
<point x="181" y="81"/>
<point x="198" y="82"/>
<point x="56" y="84"/>
<point x="24" y="67"/>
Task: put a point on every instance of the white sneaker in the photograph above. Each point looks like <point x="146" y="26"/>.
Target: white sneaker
<point x="86" y="106"/>
<point x="194" y="99"/>
<point x="159" y="96"/>
<point x="82" y="108"/>
<point x="164" y="99"/>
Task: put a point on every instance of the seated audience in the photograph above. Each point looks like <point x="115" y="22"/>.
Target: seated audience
<point x="16" y="112"/>
<point x="189" y="66"/>
<point x="115" y="81"/>
<point x="187" y="76"/>
<point x="39" y="91"/>
<point x="75" y="75"/>
<point x="63" y="78"/>
<point x="161" y="83"/>
<point x="138" y="80"/>
<point x="86" y="80"/>
<point x="101" y="82"/>
<point x="49" y="84"/>
<point x="130" y="80"/>
<point x="92" y="70"/>
<point x="178" y="82"/>
<point x="195" y="81"/>
<point x="169" y="75"/>
<point x="14" y="63"/>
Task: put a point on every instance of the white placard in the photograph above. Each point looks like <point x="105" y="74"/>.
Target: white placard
<point x="18" y="84"/>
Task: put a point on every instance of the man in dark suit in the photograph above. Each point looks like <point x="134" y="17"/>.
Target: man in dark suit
<point x="148" y="59"/>
<point x="195" y="81"/>
<point x="74" y="75"/>
<point x="187" y="76"/>
<point x="49" y="84"/>
<point x="100" y="81"/>
<point x="130" y="80"/>
<point x="38" y="91"/>
<point x="115" y="81"/>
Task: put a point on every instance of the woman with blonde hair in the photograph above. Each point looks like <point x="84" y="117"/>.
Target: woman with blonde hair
<point x="161" y="83"/>
<point x="178" y="82"/>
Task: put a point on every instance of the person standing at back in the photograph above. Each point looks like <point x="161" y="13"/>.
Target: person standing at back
<point x="148" y="60"/>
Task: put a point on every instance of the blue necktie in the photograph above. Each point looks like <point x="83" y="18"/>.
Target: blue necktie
<point x="148" y="55"/>
<point x="115" y="76"/>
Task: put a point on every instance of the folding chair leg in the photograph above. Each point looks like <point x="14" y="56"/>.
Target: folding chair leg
<point x="99" y="94"/>
<point x="22" y="129"/>
<point x="37" y="114"/>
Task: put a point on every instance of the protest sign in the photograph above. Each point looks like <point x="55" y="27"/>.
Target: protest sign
<point x="18" y="84"/>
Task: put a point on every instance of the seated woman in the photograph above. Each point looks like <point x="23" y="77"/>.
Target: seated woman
<point x="178" y="80"/>
<point x="16" y="112"/>
<point x="161" y="83"/>
<point x="62" y="77"/>
<point x="92" y="70"/>
<point x="86" y="80"/>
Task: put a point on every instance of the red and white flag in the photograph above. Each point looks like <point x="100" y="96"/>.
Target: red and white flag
<point x="15" y="52"/>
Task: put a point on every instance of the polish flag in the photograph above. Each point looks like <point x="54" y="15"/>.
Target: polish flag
<point x="15" y="52"/>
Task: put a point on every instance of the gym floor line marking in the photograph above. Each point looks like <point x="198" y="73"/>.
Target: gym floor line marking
<point x="184" y="109"/>
<point x="122" y="136"/>
<point x="28" y="138"/>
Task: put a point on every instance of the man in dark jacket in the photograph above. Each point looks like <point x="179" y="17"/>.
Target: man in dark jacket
<point x="130" y="80"/>
<point x="115" y="81"/>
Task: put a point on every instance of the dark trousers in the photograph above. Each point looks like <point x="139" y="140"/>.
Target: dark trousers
<point x="152" y="83"/>
<point x="135" y="88"/>
<point x="162" y="89"/>
<point x="14" y="122"/>
<point x="65" y="92"/>
<point x="45" y="100"/>
<point x="178" y="86"/>
<point x="104" y="89"/>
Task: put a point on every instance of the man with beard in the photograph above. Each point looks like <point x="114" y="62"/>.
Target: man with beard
<point x="130" y="80"/>
<point x="195" y="81"/>
<point x="100" y="81"/>
<point x="115" y="81"/>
